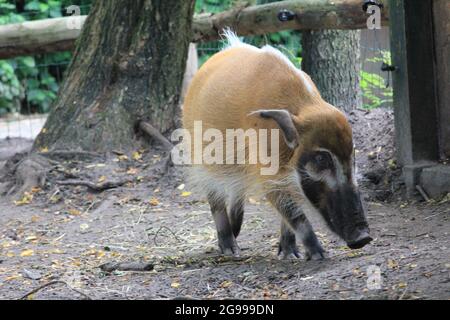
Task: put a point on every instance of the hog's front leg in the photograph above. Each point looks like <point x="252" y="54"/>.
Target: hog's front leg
<point x="296" y="220"/>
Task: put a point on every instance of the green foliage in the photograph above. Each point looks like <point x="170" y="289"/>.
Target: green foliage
<point x="11" y="92"/>
<point x="212" y="6"/>
<point x="30" y="84"/>
<point x="373" y="86"/>
<point x="287" y="41"/>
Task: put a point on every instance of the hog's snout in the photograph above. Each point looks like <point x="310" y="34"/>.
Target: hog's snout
<point x="360" y="240"/>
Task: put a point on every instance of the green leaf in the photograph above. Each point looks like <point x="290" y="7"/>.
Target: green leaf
<point x="32" y="5"/>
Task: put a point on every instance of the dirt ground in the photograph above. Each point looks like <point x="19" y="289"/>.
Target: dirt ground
<point x="65" y="233"/>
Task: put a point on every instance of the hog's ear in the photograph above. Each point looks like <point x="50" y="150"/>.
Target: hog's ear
<point x="284" y="120"/>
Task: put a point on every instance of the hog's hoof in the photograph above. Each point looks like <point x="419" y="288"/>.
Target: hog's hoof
<point x="290" y="253"/>
<point x="288" y="256"/>
<point x="315" y="254"/>
<point x="231" y="251"/>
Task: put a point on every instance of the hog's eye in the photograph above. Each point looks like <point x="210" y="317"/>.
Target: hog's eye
<point x="320" y="158"/>
<point x="323" y="160"/>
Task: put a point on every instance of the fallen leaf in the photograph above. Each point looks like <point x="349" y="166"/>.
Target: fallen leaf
<point x="392" y="164"/>
<point x="56" y="251"/>
<point x="74" y="212"/>
<point x="175" y="285"/>
<point x="101" y="179"/>
<point x="27" y="253"/>
<point x="122" y="158"/>
<point x="26" y="199"/>
<point x="132" y="171"/>
<point x="402" y="285"/>
<point x="44" y="150"/>
<point x="226" y="284"/>
<point x="97" y="165"/>
<point x="137" y="156"/>
<point x="186" y="194"/>
<point x="56" y="198"/>
<point x="31" y="238"/>
<point x="84" y="227"/>
<point x="36" y="190"/>
<point x="357" y="272"/>
<point x="354" y="253"/>
<point x="154" y="202"/>
<point x="13" y="277"/>
<point x="392" y="264"/>
<point x="372" y="155"/>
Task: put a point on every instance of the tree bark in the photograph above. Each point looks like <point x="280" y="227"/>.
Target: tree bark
<point x="128" y="66"/>
<point x="332" y="59"/>
<point x="52" y="34"/>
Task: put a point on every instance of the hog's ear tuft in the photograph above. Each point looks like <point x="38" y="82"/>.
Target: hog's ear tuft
<point x="284" y="120"/>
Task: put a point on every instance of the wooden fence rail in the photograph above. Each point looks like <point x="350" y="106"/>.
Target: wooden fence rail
<point x="51" y="35"/>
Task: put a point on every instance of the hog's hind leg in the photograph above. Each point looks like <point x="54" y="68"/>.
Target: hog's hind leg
<point x="287" y="248"/>
<point x="227" y="240"/>
<point x="237" y="215"/>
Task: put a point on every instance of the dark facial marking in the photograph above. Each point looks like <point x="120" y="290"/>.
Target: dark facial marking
<point x="321" y="160"/>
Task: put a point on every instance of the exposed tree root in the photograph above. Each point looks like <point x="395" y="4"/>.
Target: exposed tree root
<point x="155" y="134"/>
<point x="166" y="162"/>
<point x="98" y="187"/>
<point x="127" y="266"/>
<point x="159" y="230"/>
<point x="71" y="155"/>
<point x="26" y="171"/>
<point x="423" y="193"/>
<point x="51" y="284"/>
<point x="23" y="172"/>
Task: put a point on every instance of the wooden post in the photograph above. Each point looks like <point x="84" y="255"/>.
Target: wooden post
<point x="415" y="101"/>
<point x="441" y="11"/>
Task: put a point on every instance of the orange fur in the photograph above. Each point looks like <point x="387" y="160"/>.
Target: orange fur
<point x="242" y="79"/>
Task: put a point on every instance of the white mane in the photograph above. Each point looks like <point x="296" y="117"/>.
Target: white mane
<point x="232" y="41"/>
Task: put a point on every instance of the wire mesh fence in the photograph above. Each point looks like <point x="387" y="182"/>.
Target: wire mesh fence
<point x="29" y="85"/>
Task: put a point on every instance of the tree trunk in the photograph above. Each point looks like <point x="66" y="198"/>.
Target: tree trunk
<point x="128" y="66"/>
<point x="332" y="59"/>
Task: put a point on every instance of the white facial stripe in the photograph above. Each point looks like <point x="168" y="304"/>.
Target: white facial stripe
<point x="341" y="178"/>
<point x="324" y="176"/>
